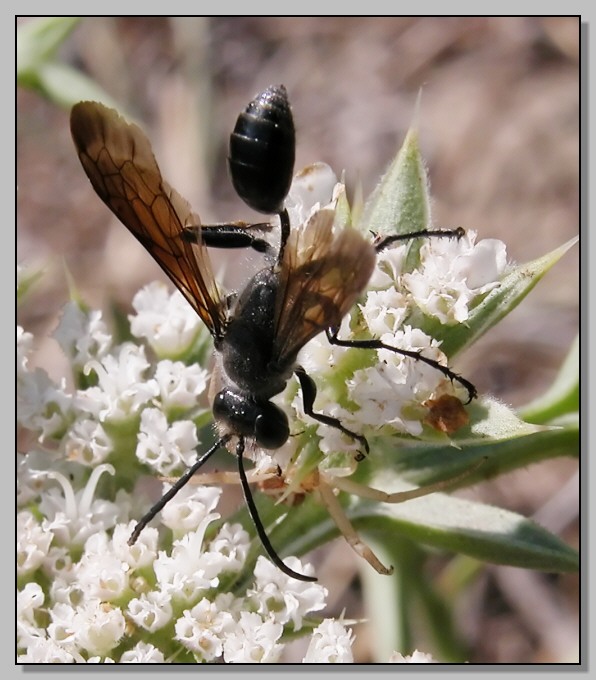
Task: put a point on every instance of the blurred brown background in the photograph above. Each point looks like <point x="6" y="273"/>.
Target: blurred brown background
<point x="499" y="129"/>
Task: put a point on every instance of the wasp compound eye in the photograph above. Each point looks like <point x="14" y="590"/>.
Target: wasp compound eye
<point x="262" y="151"/>
<point x="271" y="427"/>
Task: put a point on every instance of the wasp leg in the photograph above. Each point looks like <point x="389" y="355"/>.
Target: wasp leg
<point x="413" y="354"/>
<point x="309" y="393"/>
<point x="232" y="235"/>
<point x="254" y="514"/>
<point x="239" y="235"/>
<point x="167" y="497"/>
<point x="382" y="242"/>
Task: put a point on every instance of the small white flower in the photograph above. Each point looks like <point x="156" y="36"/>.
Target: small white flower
<point x="332" y="440"/>
<point x="24" y="350"/>
<point x="29" y="600"/>
<point x="253" y="640"/>
<point x="87" y="442"/>
<point x="180" y="385"/>
<point x="331" y="642"/>
<point x="98" y="627"/>
<point x="42" y="406"/>
<point x="45" y="650"/>
<point x="385" y="311"/>
<point x="166" y="447"/>
<point x="123" y="388"/>
<point x="313" y="185"/>
<point x="182" y="574"/>
<point x="151" y="611"/>
<point x="30" y="478"/>
<point x="284" y="598"/>
<point x="82" y="334"/>
<point x="166" y="321"/>
<point x="189" y="507"/>
<point x="144" y="550"/>
<point x="385" y="390"/>
<point x="66" y="590"/>
<point x="72" y="516"/>
<point x="100" y="572"/>
<point x="228" y="550"/>
<point x="33" y="543"/>
<point x="452" y="273"/>
<point x="203" y="628"/>
<point x="415" y="657"/>
<point x="62" y="628"/>
<point x="319" y="355"/>
<point x="390" y="263"/>
<point x="58" y="563"/>
<point x="142" y="652"/>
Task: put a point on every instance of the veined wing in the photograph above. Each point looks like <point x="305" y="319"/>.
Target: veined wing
<point x="118" y="160"/>
<point x="322" y="274"/>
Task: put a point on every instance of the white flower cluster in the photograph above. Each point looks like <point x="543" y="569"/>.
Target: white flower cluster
<point x="451" y="277"/>
<point x="84" y="594"/>
<point x="449" y="280"/>
<point x="108" y="601"/>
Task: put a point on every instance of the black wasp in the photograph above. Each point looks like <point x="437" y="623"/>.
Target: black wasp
<point x="314" y="278"/>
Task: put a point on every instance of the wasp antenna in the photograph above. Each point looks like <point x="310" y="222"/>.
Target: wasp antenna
<point x="254" y="514"/>
<point x="167" y="497"/>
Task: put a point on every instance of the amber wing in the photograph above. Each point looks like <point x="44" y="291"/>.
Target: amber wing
<point x="119" y="162"/>
<point x="323" y="272"/>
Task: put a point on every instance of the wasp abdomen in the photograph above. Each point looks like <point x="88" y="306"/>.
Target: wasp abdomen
<point x="262" y="150"/>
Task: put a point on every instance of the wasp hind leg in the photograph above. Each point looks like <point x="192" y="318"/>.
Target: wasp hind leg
<point x="382" y="242"/>
<point x="412" y="354"/>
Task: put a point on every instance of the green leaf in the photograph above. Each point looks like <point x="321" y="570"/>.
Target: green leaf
<point x="400" y="203"/>
<point x="39" y="69"/>
<point x="484" y="459"/>
<point x="37" y="43"/>
<point x="513" y="288"/>
<point x="563" y="396"/>
<point x="66" y="86"/>
<point x="481" y="531"/>
<point x="475" y="529"/>
<point x="410" y="603"/>
<point x="26" y="282"/>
